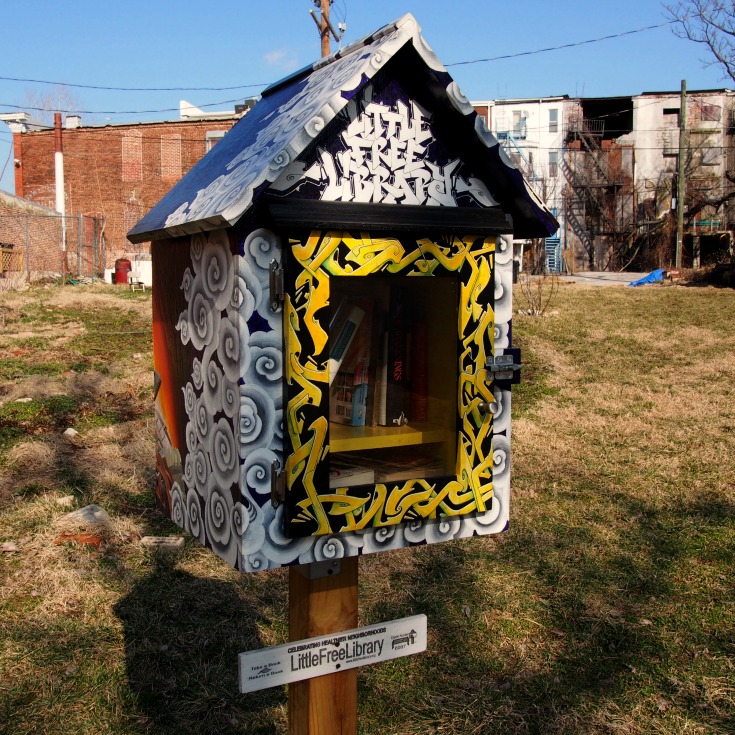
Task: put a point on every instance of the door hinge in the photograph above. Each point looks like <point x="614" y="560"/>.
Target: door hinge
<point x="505" y="368"/>
<point x="278" y="484"/>
<point x="277" y="289"/>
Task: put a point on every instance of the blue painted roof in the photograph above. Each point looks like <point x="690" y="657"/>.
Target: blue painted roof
<point x="291" y="114"/>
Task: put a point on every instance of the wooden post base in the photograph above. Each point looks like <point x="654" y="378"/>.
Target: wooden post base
<point x="325" y="705"/>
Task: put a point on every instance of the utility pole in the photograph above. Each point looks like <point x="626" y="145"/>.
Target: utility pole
<point x="59" y="177"/>
<point x="324" y="25"/>
<point x="681" y="176"/>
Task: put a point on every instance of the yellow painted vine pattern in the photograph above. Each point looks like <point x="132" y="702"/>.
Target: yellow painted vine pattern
<point x="338" y="253"/>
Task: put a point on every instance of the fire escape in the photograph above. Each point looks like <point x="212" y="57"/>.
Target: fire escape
<point x="512" y="143"/>
<point x="599" y="200"/>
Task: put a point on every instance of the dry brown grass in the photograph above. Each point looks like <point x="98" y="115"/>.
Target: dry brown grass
<point x="606" y="609"/>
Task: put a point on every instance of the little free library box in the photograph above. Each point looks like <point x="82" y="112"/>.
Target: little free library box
<point x="331" y="316"/>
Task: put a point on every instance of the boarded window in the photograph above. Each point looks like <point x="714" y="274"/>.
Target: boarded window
<point x="671" y="117"/>
<point x="132" y="156"/>
<point x="132" y="214"/>
<point x="214" y="137"/>
<point x="171" y="157"/>
<point x="706" y="112"/>
<point x="710" y="156"/>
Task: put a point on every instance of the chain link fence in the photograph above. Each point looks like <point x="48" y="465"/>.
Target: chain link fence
<point x="35" y="247"/>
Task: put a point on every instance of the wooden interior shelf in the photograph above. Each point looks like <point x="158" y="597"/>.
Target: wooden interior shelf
<point x="353" y="438"/>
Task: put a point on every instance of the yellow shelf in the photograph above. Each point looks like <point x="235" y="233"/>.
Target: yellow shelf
<point x="344" y="438"/>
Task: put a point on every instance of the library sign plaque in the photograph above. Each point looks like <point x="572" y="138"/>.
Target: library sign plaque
<point x="331" y="306"/>
<point x="328" y="654"/>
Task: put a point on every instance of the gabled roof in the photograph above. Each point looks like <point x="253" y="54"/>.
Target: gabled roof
<point x="227" y="182"/>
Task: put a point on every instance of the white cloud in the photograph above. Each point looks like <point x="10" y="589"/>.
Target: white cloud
<point x="282" y="59"/>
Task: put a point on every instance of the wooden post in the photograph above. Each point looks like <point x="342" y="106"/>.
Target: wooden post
<point x="324" y="705"/>
<point x="681" y="188"/>
<point x="326" y="50"/>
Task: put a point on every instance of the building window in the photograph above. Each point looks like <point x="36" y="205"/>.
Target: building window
<point x="710" y="156"/>
<point x="519" y="124"/>
<point x="554" y="120"/>
<point x="171" y="157"/>
<point x="671" y="117"/>
<point x="132" y="156"/>
<point x="553" y="164"/>
<point x="214" y="137"/>
<point x="706" y="112"/>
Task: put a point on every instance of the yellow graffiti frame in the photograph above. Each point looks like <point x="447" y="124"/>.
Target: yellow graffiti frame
<point x="339" y="253"/>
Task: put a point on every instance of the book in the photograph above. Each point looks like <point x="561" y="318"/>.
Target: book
<point x="341" y="398"/>
<point x="379" y="403"/>
<point x="348" y="471"/>
<point x="350" y="476"/>
<point x="348" y="399"/>
<point x="419" y="407"/>
<point x="396" y="367"/>
<point x="398" y="465"/>
<point x="342" y="331"/>
<point x="422" y="468"/>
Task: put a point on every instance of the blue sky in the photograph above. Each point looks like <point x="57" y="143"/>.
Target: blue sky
<point x="248" y="45"/>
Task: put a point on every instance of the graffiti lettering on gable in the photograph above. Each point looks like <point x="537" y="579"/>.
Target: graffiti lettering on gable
<point x="385" y="159"/>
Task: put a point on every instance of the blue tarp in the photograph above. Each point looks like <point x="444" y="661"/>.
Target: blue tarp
<point x="653" y="277"/>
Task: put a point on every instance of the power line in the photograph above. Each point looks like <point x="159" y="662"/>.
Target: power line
<point x="120" y="112"/>
<point x="7" y="161"/>
<point x="265" y="84"/>
<point x="132" y="89"/>
<point x="563" y="46"/>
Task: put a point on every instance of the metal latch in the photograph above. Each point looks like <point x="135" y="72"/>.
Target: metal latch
<point x="278" y="484"/>
<point x="275" y="279"/>
<point x="505" y="367"/>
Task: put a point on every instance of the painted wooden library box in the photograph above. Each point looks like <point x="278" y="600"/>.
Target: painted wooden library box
<point x="331" y="316"/>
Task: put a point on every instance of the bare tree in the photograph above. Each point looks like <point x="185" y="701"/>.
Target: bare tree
<point x="710" y="23"/>
<point x="43" y="105"/>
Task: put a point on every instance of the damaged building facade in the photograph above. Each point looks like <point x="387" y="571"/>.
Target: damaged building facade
<point x="608" y="167"/>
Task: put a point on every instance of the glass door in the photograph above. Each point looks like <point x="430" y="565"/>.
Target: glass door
<point x="387" y="340"/>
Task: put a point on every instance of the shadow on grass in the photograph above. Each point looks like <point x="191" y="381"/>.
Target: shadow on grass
<point x="591" y="637"/>
<point x="182" y="637"/>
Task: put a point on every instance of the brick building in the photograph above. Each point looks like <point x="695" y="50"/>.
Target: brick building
<point x="118" y="171"/>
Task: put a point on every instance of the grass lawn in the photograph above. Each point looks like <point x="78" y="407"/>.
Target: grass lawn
<point x="607" y="608"/>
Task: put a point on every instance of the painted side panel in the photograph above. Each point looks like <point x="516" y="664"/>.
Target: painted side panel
<point x="218" y="355"/>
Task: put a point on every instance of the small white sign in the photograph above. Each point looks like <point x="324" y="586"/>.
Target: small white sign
<point x="327" y="654"/>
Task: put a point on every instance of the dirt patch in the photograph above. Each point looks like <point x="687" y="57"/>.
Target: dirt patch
<point x="98" y="293"/>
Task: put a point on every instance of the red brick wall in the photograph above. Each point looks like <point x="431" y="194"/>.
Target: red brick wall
<point x="100" y="179"/>
<point x="486" y="113"/>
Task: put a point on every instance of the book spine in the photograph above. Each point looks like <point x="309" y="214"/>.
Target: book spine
<point x="345" y="334"/>
<point x="420" y="373"/>
<point x="359" y="361"/>
<point x="397" y="394"/>
<point x="359" y="404"/>
<point x="382" y="383"/>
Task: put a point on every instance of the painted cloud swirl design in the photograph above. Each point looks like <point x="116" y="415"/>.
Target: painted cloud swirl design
<point x="234" y="408"/>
